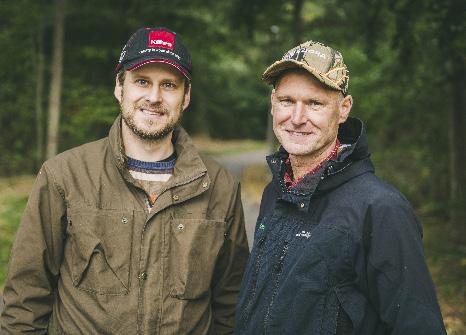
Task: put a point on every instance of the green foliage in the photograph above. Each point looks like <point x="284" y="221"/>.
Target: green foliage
<point x="10" y="215"/>
<point x="17" y="117"/>
<point x="89" y="113"/>
<point x="405" y="58"/>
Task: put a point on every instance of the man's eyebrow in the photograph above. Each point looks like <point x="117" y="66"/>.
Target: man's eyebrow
<point x="283" y="95"/>
<point x="139" y="75"/>
<point x="175" y="80"/>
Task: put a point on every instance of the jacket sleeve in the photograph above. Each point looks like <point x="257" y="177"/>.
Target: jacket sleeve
<point x="230" y="267"/>
<point x="399" y="283"/>
<point x="35" y="260"/>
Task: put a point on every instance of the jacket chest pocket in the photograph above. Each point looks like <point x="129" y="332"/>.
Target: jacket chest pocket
<point x="194" y="246"/>
<point x="323" y="260"/>
<point x="100" y="250"/>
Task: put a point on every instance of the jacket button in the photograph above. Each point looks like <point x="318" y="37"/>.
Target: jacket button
<point x="204" y="184"/>
<point x="180" y="226"/>
<point x="301" y="205"/>
<point x="143" y="275"/>
<point x="176" y="197"/>
<point x="273" y="161"/>
<point x="124" y="220"/>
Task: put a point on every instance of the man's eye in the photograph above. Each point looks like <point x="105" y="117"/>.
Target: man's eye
<point x="169" y="85"/>
<point x="286" y="102"/>
<point x="141" y="82"/>
<point x="315" y="104"/>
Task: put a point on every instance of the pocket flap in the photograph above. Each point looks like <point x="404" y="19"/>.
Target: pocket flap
<point x="194" y="248"/>
<point x="101" y="249"/>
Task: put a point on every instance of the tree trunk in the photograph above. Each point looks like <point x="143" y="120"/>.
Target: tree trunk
<point x="297" y="21"/>
<point x="40" y="68"/>
<point x="56" y="79"/>
<point x="458" y="146"/>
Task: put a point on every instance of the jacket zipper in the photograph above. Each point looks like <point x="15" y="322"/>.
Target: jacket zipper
<point x="278" y="271"/>
<point x="252" y="291"/>
<point x="337" y="317"/>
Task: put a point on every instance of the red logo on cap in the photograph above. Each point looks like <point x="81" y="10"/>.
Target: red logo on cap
<point x="161" y="39"/>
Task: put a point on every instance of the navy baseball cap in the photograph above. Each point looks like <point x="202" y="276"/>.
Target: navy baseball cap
<point x="155" y="45"/>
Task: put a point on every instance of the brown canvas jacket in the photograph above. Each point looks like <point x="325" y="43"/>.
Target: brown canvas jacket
<point x="89" y="258"/>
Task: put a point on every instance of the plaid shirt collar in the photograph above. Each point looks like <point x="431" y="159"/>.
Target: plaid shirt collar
<point x="288" y="175"/>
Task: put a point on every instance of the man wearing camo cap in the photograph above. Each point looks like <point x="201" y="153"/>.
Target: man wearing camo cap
<point x="336" y="250"/>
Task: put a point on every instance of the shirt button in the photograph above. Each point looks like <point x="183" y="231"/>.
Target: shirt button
<point x="176" y="197"/>
<point x="143" y="275"/>
<point x="124" y="220"/>
<point x="180" y="226"/>
<point x="301" y="205"/>
<point x="204" y="184"/>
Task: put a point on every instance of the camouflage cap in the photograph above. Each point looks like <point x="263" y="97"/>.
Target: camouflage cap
<point x="325" y="63"/>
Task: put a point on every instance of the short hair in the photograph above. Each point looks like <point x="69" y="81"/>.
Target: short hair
<point x="121" y="75"/>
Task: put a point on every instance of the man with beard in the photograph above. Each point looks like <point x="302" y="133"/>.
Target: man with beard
<point x="336" y="250"/>
<point x="136" y="233"/>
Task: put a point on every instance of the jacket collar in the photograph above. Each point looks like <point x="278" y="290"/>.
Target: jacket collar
<point x="352" y="161"/>
<point x="189" y="165"/>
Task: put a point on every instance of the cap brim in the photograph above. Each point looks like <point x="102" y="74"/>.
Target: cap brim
<point x="130" y="66"/>
<point x="273" y="71"/>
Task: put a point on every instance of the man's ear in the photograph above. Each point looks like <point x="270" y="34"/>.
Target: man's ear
<point x="345" y="108"/>
<point x="187" y="97"/>
<point x="118" y="89"/>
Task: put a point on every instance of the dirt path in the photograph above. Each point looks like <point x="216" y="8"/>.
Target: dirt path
<point x="236" y="163"/>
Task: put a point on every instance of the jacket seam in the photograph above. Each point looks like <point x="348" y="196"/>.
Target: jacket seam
<point x="57" y="186"/>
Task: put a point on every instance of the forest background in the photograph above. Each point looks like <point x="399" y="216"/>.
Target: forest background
<point x="407" y="77"/>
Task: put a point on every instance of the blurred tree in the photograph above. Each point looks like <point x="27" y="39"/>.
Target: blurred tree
<point x="18" y="28"/>
<point x="56" y="80"/>
<point x="425" y="42"/>
<point x="297" y="21"/>
<point x="406" y="59"/>
<point x="39" y="61"/>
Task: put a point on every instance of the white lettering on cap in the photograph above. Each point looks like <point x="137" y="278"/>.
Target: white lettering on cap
<point x="317" y="53"/>
<point x="161" y="43"/>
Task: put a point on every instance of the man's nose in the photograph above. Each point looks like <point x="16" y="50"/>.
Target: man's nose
<point x="298" y="115"/>
<point x="154" y="95"/>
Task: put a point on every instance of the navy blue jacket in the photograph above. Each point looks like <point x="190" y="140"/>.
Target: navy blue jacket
<point x="340" y="253"/>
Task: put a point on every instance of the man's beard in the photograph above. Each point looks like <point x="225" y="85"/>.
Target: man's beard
<point x="157" y="135"/>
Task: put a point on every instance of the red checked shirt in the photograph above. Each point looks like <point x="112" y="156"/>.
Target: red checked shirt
<point x="288" y="176"/>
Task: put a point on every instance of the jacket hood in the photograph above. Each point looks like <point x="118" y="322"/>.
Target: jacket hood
<point x="352" y="161"/>
<point x="353" y="133"/>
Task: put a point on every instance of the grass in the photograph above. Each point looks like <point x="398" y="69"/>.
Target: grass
<point x="446" y="256"/>
<point x="13" y="197"/>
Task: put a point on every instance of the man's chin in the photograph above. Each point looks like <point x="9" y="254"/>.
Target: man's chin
<point x="297" y="149"/>
<point x="153" y="135"/>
